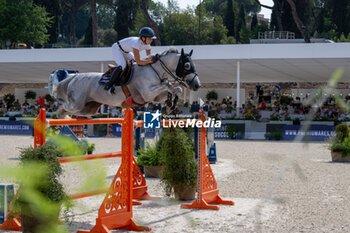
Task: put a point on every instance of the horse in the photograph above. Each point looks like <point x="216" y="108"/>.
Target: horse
<point x="157" y="83"/>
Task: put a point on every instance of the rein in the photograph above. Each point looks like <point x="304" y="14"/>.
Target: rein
<point x="171" y="73"/>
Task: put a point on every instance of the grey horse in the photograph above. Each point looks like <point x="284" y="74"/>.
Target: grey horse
<point x="82" y="95"/>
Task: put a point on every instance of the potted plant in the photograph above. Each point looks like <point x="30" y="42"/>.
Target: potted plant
<point x="85" y="147"/>
<point x="212" y="95"/>
<point x="29" y="95"/>
<point x="151" y="160"/>
<point x="276" y="134"/>
<point x="9" y="99"/>
<point x="340" y="148"/>
<point x="179" y="174"/>
<point x="231" y="131"/>
<point x="39" y="202"/>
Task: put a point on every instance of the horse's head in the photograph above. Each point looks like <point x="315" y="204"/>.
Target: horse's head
<point x="187" y="72"/>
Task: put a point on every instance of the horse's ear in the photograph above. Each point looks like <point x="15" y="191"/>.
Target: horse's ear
<point x="191" y="52"/>
<point x="182" y="52"/>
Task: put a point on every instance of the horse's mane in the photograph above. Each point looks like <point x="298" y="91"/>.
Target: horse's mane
<point x="170" y="50"/>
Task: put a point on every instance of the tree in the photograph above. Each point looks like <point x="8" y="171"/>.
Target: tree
<point x="254" y="26"/>
<point x="125" y="12"/>
<point x="105" y="16"/>
<point x="230" y="19"/>
<point x="70" y="8"/>
<point x="23" y="21"/>
<point x="341" y="15"/>
<point x="150" y="22"/>
<point x="88" y="38"/>
<point x="181" y="28"/>
<point x="93" y="22"/>
<point x="241" y="23"/>
<point x="54" y="11"/>
<point x="303" y="29"/>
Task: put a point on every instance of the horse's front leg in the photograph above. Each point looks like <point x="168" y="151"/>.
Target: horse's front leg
<point x="174" y="90"/>
<point x="152" y="94"/>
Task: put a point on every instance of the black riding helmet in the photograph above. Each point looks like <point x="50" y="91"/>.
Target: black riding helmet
<point x="147" y="32"/>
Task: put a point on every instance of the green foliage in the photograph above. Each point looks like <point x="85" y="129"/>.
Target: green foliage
<point x="180" y="167"/>
<point x="49" y="98"/>
<point x="105" y="16"/>
<point x="249" y="117"/>
<point x="342" y="132"/>
<point x="107" y="37"/>
<point x="343" y="147"/>
<point x="228" y="40"/>
<point x="85" y="147"/>
<point x="212" y="95"/>
<point x="275" y="118"/>
<point x="9" y="98"/>
<point x="47" y="154"/>
<point x="34" y="178"/>
<point x="54" y="11"/>
<point x="241" y="25"/>
<point x="230" y="19"/>
<point x="88" y="34"/>
<point x="229" y="109"/>
<point x="244" y="35"/>
<point x="231" y="131"/>
<point x="30" y="94"/>
<point x="182" y="28"/>
<point x="23" y="21"/>
<point x="149" y="156"/>
<point x="285" y="100"/>
<point x="275" y="134"/>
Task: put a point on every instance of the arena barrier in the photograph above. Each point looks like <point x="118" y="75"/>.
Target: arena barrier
<point x="116" y="210"/>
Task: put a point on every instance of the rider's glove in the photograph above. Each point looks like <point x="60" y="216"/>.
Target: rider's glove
<point x="154" y="58"/>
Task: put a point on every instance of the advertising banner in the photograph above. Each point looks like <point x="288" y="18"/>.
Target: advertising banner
<point x="15" y="128"/>
<point x="314" y="133"/>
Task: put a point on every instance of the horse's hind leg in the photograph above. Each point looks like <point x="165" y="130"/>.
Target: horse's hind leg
<point x="91" y="108"/>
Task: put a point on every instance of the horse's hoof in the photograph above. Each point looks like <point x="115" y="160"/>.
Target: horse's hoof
<point x="177" y="90"/>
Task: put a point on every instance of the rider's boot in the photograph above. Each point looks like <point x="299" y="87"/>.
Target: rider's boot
<point x="113" y="80"/>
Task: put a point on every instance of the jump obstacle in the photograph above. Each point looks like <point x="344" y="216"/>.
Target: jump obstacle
<point x="116" y="210"/>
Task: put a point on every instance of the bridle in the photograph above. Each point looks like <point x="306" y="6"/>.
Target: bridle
<point x="182" y="70"/>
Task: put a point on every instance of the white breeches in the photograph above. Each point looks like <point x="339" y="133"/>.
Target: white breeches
<point x="120" y="57"/>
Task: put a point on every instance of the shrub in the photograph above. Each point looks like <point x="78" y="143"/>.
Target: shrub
<point x="212" y="95"/>
<point x="342" y="132"/>
<point x="9" y="99"/>
<point x="231" y="131"/>
<point x="149" y="156"/>
<point x="180" y="167"/>
<point x="343" y="147"/>
<point x="47" y="154"/>
<point x="30" y="95"/>
<point x="275" y="134"/>
<point x="41" y="196"/>
<point x="49" y="98"/>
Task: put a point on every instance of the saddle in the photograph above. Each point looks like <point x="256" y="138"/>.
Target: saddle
<point x="123" y="80"/>
<point x="124" y="77"/>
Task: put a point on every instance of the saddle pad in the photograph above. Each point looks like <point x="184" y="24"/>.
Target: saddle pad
<point x="104" y="79"/>
<point x="128" y="76"/>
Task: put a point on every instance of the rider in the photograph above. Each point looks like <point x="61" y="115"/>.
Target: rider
<point x="129" y="49"/>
